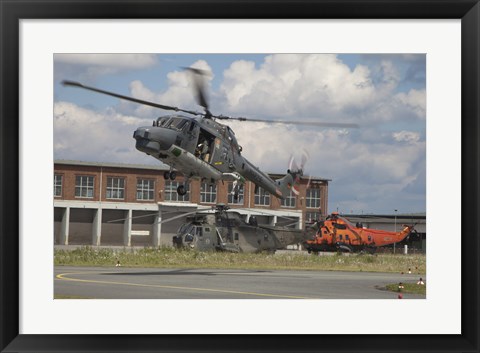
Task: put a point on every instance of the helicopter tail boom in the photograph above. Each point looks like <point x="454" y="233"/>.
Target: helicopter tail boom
<point x="288" y="182"/>
<point x="252" y="173"/>
<point x="279" y="188"/>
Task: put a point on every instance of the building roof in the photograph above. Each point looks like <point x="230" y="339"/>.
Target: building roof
<point x="112" y="165"/>
<point x="153" y="167"/>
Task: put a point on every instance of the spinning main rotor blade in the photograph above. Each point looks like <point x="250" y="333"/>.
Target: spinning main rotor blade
<point x="201" y="97"/>
<point x="140" y="101"/>
<point x="199" y="85"/>
<point x="153" y="214"/>
<point x="291" y="122"/>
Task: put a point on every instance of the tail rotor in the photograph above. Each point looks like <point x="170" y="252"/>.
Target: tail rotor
<point x="296" y="170"/>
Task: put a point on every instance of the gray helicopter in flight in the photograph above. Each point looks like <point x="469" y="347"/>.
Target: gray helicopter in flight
<point x="227" y="230"/>
<point x="199" y="146"/>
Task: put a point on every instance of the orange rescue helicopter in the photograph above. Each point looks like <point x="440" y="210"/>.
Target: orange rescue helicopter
<point x="338" y="234"/>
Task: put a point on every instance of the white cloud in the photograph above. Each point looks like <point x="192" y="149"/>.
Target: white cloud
<point x="115" y="61"/>
<point x="415" y="100"/>
<point x="88" y="67"/>
<point x="406" y="136"/>
<point x="82" y="134"/>
<point x="366" y="174"/>
<point x="291" y="85"/>
<point x="366" y="169"/>
<point x="318" y="86"/>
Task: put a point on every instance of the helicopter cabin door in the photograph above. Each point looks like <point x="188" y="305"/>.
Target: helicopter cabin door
<point x="222" y="157"/>
<point x="205" y="146"/>
<point x="190" y="139"/>
<point x="206" y="238"/>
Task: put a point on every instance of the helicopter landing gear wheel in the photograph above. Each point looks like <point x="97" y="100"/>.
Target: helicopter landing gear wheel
<point x="181" y="190"/>
<point x="170" y="175"/>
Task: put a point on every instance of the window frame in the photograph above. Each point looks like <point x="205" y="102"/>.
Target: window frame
<point x="261" y="194"/>
<point x="114" y="189"/>
<point x="312" y="216"/>
<point x="87" y="187"/>
<point x="291" y="198"/>
<point x="141" y="189"/>
<point x="309" y="199"/>
<point x="56" y="185"/>
<point x="241" y="194"/>
<point x="173" y="191"/>
<point x="208" y="190"/>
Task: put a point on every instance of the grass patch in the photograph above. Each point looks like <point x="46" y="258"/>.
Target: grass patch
<point x="167" y="257"/>
<point x="412" y="288"/>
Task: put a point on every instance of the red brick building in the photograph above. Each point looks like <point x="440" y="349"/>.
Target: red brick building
<point x="87" y="195"/>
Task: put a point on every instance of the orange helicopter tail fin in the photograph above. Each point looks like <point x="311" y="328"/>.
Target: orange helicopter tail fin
<point x="407" y="229"/>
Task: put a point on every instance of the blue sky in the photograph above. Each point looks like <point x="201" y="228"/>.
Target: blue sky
<point x="376" y="168"/>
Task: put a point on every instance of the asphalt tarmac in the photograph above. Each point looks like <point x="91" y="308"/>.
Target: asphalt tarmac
<point x="158" y="283"/>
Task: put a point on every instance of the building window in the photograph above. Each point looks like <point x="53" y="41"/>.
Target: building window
<point x="312" y="217"/>
<point x="240" y="189"/>
<point x="313" y="198"/>
<point x="171" y="193"/>
<point x="145" y="189"/>
<point x="115" y="188"/>
<point x="84" y="186"/>
<point x="208" y="193"/>
<point x="57" y="185"/>
<point x="262" y="197"/>
<point x="290" y="200"/>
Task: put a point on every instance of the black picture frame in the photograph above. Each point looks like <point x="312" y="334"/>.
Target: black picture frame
<point x="13" y="11"/>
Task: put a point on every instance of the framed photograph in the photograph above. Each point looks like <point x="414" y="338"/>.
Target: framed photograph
<point x="408" y="71"/>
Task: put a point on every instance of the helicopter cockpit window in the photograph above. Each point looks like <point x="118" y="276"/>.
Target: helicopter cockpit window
<point x="222" y="130"/>
<point x="231" y="136"/>
<point x="176" y="123"/>
<point x="162" y="120"/>
<point x="198" y="231"/>
<point x="339" y="226"/>
<point x="185" y="228"/>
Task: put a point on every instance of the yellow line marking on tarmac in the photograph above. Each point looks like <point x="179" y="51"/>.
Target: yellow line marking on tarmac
<point x="62" y="277"/>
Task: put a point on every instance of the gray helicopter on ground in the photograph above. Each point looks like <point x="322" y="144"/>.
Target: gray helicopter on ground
<point x="227" y="230"/>
<point x="199" y="146"/>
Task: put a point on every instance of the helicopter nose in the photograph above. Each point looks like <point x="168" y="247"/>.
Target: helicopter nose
<point x="153" y="139"/>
